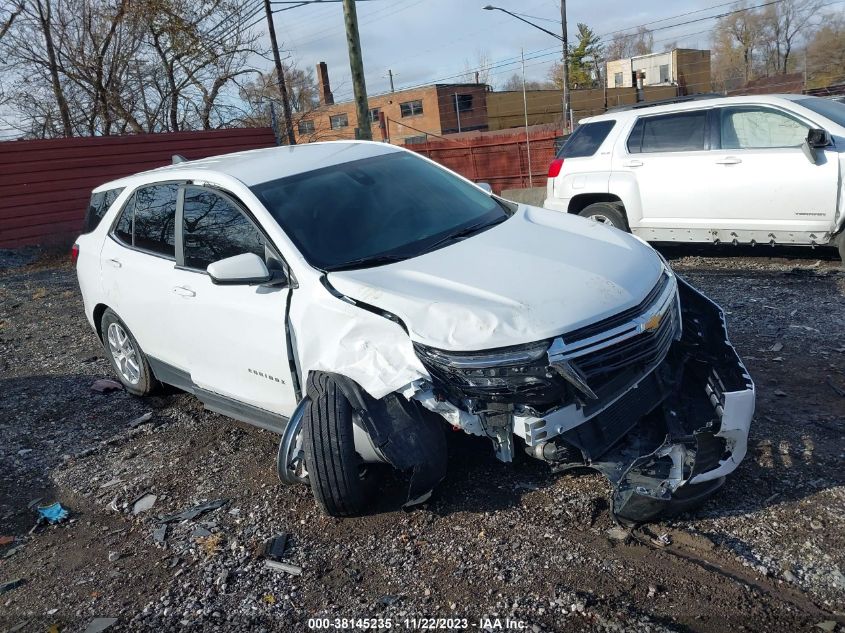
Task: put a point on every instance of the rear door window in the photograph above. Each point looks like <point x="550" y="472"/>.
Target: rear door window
<point x="215" y="228"/>
<point x="680" y="132"/>
<point x="586" y="140"/>
<point x="154" y="227"/>
<point x="97" y="207"/>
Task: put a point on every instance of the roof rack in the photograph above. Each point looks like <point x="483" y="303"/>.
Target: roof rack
<point x="649" y="104"/>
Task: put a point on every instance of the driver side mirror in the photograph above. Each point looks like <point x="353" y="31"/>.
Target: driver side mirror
<point x="486" y="186"/>
<point x="817" y="138"/>
<point x="244" y="269"/>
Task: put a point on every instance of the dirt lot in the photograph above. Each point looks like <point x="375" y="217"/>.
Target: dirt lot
<point x="767" y="553"/>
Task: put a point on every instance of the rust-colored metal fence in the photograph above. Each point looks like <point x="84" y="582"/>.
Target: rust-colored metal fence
<point x="45" y="185"/>
<point x="500" y="160"/>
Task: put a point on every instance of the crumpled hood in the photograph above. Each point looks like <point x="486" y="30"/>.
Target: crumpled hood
<point x="535" y="276"/>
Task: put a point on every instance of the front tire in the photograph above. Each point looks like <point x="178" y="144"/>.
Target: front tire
<point x="610" y="213"/>
<point x="342" y="484"/>
<point x="127" y="358"/>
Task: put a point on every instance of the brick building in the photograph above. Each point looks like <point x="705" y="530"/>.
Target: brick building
<point x="411" y="116"/>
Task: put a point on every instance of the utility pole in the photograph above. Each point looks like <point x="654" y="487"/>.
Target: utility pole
<point x="356" y="65"/>
<point x="525" y="111"/>
<point x="565" y="64"/>
<point x="390" y="73"/>
<point x="280" y="74"/>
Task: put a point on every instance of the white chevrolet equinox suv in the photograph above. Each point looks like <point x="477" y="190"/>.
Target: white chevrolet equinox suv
<point x="738" y="170"/>
<point x="359" y="299"/>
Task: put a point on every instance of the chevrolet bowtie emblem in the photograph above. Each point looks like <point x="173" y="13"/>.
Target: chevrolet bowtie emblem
<point x="653" y="322"/>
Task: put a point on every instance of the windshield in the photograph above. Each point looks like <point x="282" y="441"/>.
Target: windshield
<point x="829" y="108"/>
<point x="374" y="210"/>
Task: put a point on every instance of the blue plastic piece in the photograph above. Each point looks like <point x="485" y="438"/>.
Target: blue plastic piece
<point x="53" y="513"/>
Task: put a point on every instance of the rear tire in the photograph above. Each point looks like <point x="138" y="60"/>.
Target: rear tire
<point x="127" y="358"/>
<point x="610" y="213"/>
<point x="342" y="484"/>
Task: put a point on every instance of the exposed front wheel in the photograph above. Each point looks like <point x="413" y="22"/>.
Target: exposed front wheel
<point x="341" y="481"/>
<point x="610" y="213"/>
<point x="128" y="360"/>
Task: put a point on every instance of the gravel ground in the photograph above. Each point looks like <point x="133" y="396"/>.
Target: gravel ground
<point x="496" y="541"/>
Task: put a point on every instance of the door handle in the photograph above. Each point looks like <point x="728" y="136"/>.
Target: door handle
<point x="632" y="163"/>
<point x="182" y="291"/>
<point x="116" y="263"/>
<point x="729" y="160"/>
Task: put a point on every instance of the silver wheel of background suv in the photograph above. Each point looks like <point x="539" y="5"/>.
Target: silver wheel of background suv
<point x="124" y="354"/>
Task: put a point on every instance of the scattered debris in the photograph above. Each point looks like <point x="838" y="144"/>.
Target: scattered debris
<point x="652" y="591"/>
<point x="389" y="601"/>
<point x="99" y="624"/>
<point x="776" y="347"/>
<point x="143" y="503"/>
<point x="827" y="625"/>
<point x="10" y="584"/>
<point x="110" y="483"/>
<point x="160" y="534"/>
<point x="114" y="556"/>
<point x="12" y="551"/>
<point x="780" y="393"/>
<point x="269" y="598"/>
<point x="617" y="533"/>
<point x="104" y="385"/>
<point x="141" y="420"/>
<point x="5" y="540"/>
<point x="211" y="544"/>
<point x="24" y="452"/>
<point x="53" y="513"/>
<point x="200" y="532"/>
<point x="293" y="570"/>
<point x="275" y="547"/>
<point x="196" y="511"/>
<point x="662" y="541"/>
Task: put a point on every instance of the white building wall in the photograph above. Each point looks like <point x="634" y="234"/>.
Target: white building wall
<point x="650" y="65"/>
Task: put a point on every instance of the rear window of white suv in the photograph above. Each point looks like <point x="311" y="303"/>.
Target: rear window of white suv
<point x="586" y="140"/>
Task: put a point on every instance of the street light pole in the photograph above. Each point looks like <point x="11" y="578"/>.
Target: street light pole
<point x="565" y="42"/>
<point x="565" y="46"/>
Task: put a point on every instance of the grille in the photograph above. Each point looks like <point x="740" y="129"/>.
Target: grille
<point x="643" y="350"/>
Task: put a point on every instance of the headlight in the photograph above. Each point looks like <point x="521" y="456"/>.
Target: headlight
<point x="518" y="375"/>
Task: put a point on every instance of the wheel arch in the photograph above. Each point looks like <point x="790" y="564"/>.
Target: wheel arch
<point x="99" y="310"/>
<point x="583" y="200"/>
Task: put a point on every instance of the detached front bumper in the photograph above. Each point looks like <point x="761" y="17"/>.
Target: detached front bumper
<point x="668" y="441"/>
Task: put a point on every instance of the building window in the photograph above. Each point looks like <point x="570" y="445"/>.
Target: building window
<point x="463" y="103"/>
<point x="411" y="108"/>
<point x="374" y="112"/>
<point x="306" y="127"/>
<point x="617" y="80"/>
<point x="664" y="73"/>
<point x="339" y="121"/>
<point x="413" y="140"/>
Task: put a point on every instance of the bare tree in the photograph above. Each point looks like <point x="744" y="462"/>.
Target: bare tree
<point x="7" y="22"/>
<point x="112" y="66"/>
<point x="782" y="25"/>
<point x="624" y="45"/>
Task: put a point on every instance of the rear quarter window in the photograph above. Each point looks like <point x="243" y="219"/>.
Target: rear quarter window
<point x="97" y="207"/>
<point x="586" y="140"/>
<point x="677" y="132"/>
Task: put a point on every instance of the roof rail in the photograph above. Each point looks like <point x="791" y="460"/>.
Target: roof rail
<point x="649" y="104"/>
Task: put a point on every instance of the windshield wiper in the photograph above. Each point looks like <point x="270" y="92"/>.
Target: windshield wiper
<point x="467" y="231"/>
<point x="364" y="262"/>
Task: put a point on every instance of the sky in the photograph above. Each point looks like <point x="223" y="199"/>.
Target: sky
<point x="425" y="41"/>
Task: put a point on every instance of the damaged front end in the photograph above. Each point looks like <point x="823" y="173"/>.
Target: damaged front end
<point x="655" y="398"/>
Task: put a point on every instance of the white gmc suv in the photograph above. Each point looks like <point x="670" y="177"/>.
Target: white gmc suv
<point x="358" y="299"/>
<point x="752" y="170"/>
